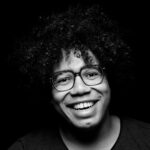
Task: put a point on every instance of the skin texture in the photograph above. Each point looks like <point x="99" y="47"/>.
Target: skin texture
<point x="80" y="93"/>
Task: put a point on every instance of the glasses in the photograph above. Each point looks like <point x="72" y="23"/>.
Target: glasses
<point x="90" y="75"/>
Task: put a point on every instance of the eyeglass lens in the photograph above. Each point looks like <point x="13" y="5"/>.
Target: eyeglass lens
<point x="65" y="80"/>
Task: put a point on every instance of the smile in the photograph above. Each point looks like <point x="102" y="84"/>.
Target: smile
<point x="82" y="105"/>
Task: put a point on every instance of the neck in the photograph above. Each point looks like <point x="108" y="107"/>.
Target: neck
<point x="98" y="135"/>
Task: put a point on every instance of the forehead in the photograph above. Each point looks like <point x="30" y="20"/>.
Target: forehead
<point x="75" y="59"/>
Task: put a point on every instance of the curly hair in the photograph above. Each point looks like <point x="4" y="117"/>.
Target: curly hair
<point x="79" y="28"/>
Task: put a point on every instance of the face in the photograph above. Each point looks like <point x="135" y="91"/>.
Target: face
<point x="81" y="96"/>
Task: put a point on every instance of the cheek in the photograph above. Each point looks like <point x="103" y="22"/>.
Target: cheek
<point x="58" y="96"/>
<point x="56" y="99"/>
<point x="103" y="88"/>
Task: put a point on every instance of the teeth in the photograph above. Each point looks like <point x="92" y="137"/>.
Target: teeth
<point x="83" y="105"/>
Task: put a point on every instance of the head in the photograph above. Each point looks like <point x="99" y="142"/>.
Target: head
<point x="85" y="103"/>
<point x="72" y="40"/>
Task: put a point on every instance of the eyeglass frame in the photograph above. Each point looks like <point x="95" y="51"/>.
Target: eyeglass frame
<point x="75" y="74"/>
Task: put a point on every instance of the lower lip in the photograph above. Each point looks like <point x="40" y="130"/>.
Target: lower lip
<point x="84" y="112"/>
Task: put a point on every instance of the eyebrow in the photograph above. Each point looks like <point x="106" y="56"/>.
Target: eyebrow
<point x="69" y="70"/>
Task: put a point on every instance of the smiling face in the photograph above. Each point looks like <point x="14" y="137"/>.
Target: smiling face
<point x="88" y="103"/>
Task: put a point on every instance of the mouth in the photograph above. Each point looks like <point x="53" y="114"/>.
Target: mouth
<point x="82" y="105"/>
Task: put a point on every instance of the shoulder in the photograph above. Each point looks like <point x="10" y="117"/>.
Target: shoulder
<point x="40" y="136"/>
<point x="137" y="128"/>
<point x="136" y="124"/>
<point x="42" y="139"/>
<point x="134" y="135"/>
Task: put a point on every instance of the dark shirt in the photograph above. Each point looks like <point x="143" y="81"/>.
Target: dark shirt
<point x="134" y="135"/>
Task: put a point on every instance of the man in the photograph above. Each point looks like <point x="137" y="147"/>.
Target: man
<point x="75" y="55"/>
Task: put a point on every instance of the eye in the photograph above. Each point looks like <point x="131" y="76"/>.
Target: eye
<point x="63" y="80"/>
<point x="92" y="75"/>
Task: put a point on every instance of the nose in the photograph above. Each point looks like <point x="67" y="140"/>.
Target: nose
<point x="79" y="87"/>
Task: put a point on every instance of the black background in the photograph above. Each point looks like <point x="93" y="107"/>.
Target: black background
<point x="20" y="113"/>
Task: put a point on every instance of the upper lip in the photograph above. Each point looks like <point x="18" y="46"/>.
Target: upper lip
<point x="85" y="101"/>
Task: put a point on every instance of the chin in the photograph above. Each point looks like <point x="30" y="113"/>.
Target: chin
<point x="85" y="119"/>
<point x="87" y="123"/>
